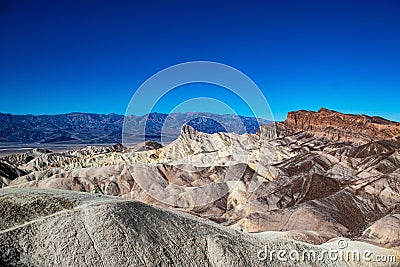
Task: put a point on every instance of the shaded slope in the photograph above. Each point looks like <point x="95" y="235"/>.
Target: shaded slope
<point x="103" y="231"/>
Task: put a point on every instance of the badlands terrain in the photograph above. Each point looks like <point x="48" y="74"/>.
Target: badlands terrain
<point x="208" y="199"/>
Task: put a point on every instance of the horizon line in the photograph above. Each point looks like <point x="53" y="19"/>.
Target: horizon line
<point x="113" y="113"/>
<point x="205" y="112"/>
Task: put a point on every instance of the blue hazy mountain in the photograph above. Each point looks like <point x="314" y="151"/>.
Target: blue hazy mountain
<point x="99" y="128"/>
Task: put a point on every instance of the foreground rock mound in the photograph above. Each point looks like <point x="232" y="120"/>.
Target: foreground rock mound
<point x="64" y="228"/>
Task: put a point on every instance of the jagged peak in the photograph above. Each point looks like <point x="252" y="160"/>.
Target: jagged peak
<point x="322" y="109"/>
<point x="188" y="131"/>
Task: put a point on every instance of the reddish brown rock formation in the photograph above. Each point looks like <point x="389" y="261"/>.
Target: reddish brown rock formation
<point x="341" y="127"/>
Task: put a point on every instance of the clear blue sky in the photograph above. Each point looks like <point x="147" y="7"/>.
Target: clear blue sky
<point x="91" y="56"/>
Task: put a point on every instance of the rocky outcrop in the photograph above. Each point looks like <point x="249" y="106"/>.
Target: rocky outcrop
<point x="311" y="187"/>
<point x="8" y="172"/>
<point x="147" y="145"/>
<point x="65" y="228"/>
<point x="24" y="158"/>
<point x="97" y="150"/>
<point x="88" y="230"/>
<point x="342" y="127"/>
<point x="385" y="232"/>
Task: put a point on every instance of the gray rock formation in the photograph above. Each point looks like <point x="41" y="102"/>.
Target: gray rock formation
<point x="385" y="231"/>
<point x="8" y="172"/>
<point x="65" y="228"/>
<point x="308" y="187"/>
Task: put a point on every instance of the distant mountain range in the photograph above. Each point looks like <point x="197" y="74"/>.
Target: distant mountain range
<point x="88" y="128"/>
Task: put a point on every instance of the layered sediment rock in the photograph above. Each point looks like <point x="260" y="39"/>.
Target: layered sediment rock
<point x="342" y="127"/>
<point x="297" y="180"/>
<point x="65" y="228"/>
